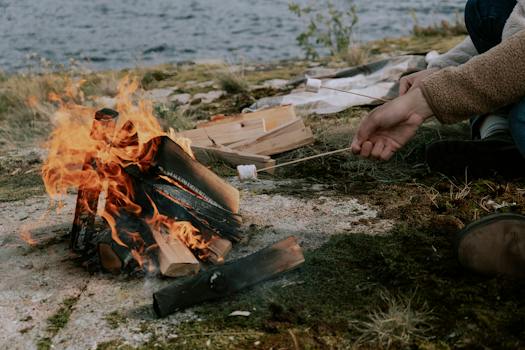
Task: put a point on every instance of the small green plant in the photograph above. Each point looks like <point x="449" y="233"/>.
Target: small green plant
<point x="330" y="27"/>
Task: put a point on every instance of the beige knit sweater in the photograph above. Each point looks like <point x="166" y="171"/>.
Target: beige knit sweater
<point x="483" y="84"/>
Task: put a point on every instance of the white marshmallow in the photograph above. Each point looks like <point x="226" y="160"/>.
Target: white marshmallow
<point x="313" y="85"/>
<point x="247" y="172"/>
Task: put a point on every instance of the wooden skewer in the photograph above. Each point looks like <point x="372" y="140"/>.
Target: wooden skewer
<point x="356" y="93"/>
<point x="306" y="158"/>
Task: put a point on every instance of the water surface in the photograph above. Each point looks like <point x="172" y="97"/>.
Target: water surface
<point x="124" y="33"/>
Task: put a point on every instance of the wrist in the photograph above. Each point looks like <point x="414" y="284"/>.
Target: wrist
<point x="420" y="104"/>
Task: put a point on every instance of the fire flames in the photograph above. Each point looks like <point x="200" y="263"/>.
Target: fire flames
<point x="76" y="139"/>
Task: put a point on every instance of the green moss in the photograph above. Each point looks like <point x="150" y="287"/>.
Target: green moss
<point x="115" y="319"/>
<point x="58" y="321"/>
<point x="345" y="281"/>
<point x="44" y="344"/>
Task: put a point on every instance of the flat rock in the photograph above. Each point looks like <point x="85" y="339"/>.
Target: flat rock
<point x="210" y="96"/>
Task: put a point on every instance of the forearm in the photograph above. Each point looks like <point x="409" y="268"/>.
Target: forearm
<point x="483" y="84"/>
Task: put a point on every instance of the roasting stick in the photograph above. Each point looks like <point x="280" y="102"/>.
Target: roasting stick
<point x="249" y="172"/>
<point x="314" y="85"/>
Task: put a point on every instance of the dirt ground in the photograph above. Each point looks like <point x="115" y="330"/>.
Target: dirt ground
<point x="47" y="298"/>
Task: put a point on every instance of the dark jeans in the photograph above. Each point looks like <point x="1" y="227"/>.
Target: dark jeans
<point x="485" y="20"/>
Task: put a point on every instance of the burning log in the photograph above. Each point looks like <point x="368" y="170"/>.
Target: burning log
<point x="218" y="248"/>
<point x="174" y="162"/>
<point x="175" y="259"/>
<point x="225" y="280"/>
<point x="87" y="199"/>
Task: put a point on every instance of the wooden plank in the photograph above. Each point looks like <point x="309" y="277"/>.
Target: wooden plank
<point x="273" y="117"/>
<point x="218" y="249"/>
<point x="175" y="259"/>
<point x="296" y="124"/>
<point x="225" y="133"/>
<point x="230" y="278"/>
<point x="282" y="143"/>
<point x="207" y="155"/>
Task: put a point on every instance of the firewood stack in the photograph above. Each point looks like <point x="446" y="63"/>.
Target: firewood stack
<point x="249" y="138"/>
<point x="170" y="184"/>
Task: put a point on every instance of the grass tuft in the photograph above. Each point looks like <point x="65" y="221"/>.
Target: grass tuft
<point x="398" y="326"/>
<point x="232" y="82"/>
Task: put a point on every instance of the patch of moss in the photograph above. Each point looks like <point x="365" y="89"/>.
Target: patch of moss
<point x="58" y="321"/>
<point x="44" y="344"/>
<point x="115" y="319"/>
<point x="346" y="279"/>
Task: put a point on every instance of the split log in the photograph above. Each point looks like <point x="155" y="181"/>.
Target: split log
<point x="282" y="143"/>
<point x="218" y="248"/>
<point x="282" y="139"/>
<point x="207" y="155"/>
<point x="176" y="203"/>
<point x="293" y="125"/>
<point x="224" y="134"/>
<point x="175" y="259"/>
<point x="102" y="129"/>
<point x="273" y="117"/>
<point x="171" y="160"/>
<point x="225" y="280"/>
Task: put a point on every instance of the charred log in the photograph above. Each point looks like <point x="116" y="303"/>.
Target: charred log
<point x="173" y="161"/>
<point x="225" y="280"/>
<point x="87" y="199"/>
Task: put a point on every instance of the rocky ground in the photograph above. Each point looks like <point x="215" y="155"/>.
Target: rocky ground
<point x="380" y="268"/>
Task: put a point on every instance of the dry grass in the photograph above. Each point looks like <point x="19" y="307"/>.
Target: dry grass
<point x="232" y="81"/>
<point x="25" y="110"/>
<point x="355" y="55"/>
<point x="444" y="28"/>
<point x="399" y="325"/>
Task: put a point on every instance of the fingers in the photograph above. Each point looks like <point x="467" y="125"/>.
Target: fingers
<point x="377" y="150"/>
<point x="366" y="149"/>
<point x="387" y="153"/>
<point x="404" y="85"/>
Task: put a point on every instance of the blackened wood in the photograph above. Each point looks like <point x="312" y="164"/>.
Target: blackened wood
<point x="87" y="198"/>
<point x="223" y="221"/>
<point x="218" y="248"/>
<point x="172" y="160"/>
<point x="222" y="281"/>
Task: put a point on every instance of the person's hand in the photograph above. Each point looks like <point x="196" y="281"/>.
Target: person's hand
<point x="389" y="127"/>
<point x="413" y="80"/>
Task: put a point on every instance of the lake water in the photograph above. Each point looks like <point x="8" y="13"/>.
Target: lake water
<point x="126" y="33"/>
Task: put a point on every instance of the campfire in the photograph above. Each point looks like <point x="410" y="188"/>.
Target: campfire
<point x="159" y="208"/>
<point x="146" y="205"/>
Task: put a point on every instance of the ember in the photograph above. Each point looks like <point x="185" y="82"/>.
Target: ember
<point x="161" y="205"/>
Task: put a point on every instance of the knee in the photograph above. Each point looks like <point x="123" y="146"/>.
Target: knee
<point x="485" y="19"/>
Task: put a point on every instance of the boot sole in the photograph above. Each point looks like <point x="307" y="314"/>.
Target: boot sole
<point x="487" y="220"/>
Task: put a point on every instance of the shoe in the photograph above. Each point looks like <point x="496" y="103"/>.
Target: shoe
<point x="494" y="245"/>
<point x="493" y="155"/>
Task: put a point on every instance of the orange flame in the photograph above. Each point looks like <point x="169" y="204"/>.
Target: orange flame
<point x="76" y="159"/>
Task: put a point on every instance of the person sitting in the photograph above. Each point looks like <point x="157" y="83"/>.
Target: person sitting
<point x="484" y="76"/>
